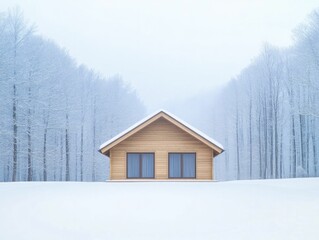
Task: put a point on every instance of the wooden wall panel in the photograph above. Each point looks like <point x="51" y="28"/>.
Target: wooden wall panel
<point x="161" y="137"/>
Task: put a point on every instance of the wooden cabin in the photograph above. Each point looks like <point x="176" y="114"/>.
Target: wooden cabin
<point x="161" y="147"/>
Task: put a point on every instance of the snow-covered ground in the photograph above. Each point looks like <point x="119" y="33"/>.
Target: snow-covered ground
<point x="264" y="209"/>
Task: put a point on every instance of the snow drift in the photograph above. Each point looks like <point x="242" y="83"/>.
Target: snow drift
<point x="261" y="209"/>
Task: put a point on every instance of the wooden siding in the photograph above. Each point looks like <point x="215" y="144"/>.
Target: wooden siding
<point x="161" y="137"/>
<point x="106" y="149"/>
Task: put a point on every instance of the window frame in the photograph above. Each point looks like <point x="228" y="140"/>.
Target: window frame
<point x="182" y="163"/>
<point x="140" y="165"/>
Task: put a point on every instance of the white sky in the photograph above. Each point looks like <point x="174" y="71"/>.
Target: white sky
<point x="167" y="50"/>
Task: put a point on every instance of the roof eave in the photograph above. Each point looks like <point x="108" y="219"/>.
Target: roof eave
<point x="215" y="147"/>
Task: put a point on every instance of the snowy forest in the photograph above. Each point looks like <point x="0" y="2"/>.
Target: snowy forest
<point x="268" y="116"/>
<point x="55" y="113"/>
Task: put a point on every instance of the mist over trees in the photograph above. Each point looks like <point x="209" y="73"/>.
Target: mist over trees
<point x="268" y="117"/>
<point x="54" y="113"/>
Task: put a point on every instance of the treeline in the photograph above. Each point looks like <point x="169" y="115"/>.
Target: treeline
<point x="268" y="117"/>
<point x="54" y="113"/>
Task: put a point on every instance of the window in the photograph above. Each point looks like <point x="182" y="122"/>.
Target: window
<point x="182" y="165"/>
<point x="140" y="165"/>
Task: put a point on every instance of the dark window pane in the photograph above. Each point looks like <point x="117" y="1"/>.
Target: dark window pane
<point x="147" y="165"/>
<point x="133" y="165"/>
<point x="175" y="165"/>
<point x="189" y="165"/>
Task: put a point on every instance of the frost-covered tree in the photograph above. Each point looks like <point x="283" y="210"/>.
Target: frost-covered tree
<point x="269" y="123"/>
<point x="267" y="117"/>
<point x="55" y="113"/>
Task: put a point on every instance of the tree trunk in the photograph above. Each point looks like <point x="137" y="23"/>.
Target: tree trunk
<point x="250" y="138"/>
<point x="67" y="150"/>
<point x="61" y="155"/>
<point x="313" y="136"/>
<point x="301" y="127"/>
<point x="15" y="136"/>
<point x="294" y="150"/>
<point x="237" y="143"/>
<point x="81" y="156"/>
<point x="260" y="146"/>
<point x="45" y="175"/>
<point x="94" y="141"/>
<point x="29" y="137"/>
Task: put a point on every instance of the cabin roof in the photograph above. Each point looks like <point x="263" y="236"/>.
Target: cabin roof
<point x="215" y="145"/>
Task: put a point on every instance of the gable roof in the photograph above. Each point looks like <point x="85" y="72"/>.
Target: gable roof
<point x="216" y="146"/>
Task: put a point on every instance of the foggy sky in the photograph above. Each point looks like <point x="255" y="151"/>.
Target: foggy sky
<point x="166" y="50"/>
